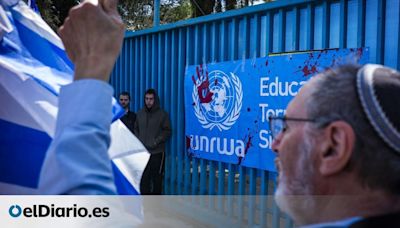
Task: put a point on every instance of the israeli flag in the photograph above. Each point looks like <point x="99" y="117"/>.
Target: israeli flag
<point x="33" y="5"/>
<point x="33" y="67"/>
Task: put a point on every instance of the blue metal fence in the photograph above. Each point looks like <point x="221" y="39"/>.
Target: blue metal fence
<point x="157" y="57"/>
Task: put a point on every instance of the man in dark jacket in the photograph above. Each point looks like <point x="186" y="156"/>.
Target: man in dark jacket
<point x="152" y="127"/>
<point x="130" y="117"/>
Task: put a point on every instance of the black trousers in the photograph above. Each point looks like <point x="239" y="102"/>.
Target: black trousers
<point x="151" y="182"/>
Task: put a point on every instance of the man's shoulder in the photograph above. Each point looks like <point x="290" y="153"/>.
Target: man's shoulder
<point x="130" y="113"/>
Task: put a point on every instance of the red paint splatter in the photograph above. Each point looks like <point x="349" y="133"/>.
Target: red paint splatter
<point x="359" y="52"/>
<point x="203" y="90"/>
<point x="187" y="142"/>
<point x="246" y="149"/>
<point x="307" y="71"/>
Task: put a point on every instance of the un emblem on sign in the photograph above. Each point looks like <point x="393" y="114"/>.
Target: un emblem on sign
<point x="217" y="99"/>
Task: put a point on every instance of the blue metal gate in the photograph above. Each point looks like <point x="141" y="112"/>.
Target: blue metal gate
<point x="157" y="57"/>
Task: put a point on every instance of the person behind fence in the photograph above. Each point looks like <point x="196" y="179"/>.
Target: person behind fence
<point x="338" y="149"/>
<point x="78" y="161"/>
<point x="152" y="127"/>
<point x="130" y="117"/>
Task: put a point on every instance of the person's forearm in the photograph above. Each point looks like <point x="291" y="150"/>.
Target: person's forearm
<point x="78" y="161"/>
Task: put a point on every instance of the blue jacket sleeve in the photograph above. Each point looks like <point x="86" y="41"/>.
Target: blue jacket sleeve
<point x="77" y="160"/>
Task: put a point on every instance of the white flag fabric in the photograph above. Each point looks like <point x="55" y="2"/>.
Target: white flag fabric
<point x="33" y="68"/>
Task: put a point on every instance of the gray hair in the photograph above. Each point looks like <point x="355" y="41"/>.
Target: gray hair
<point x="334" y="97"/>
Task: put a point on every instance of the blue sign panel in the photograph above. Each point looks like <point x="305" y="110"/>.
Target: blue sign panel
<point x="227" y="104"/>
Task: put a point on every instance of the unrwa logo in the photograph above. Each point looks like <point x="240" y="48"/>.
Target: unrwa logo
<point x="217" y="98"/>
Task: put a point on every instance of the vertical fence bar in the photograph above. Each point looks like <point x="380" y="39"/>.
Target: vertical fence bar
<point x="163" y="93"/>
<point x="246" y="40"/>
<point x="343" y="24"/>
<point x="154" y="62"/>
<point x="147" y="63"/>
<point x="203" y="177"/>
<point x="275" y="210"/>
<point x="361" y="23"/>
<point x="242" y="191"/>
<point x="221" y="186"/>
<point x="233" y="38"/>
<point x="131" y="82"/>
<point x="195" y="176"/>
<point x="189" y="61"/>
<point x="180" y="109"/>
<point x="231" y="188"/>
<point x="142" y="67"/>
<point x="264" y="179"/>
<point x="214" y="42"/>
<point x="325" y="24"/>
<point x="296" y="28"/>
<point x="252" y="193"/>
<point x="211" y="185"/>
<point x="310" y="27"/>
<point x="223" y="41"/>
<point x="256" y="36"/>
<point x="126" y="67"/>
<point x="380" y="36"/>
<point x="138" y="97"/>
<point x="174" y="120"/>
<point x="270" y="30"/>
<point x="281" y="30"/>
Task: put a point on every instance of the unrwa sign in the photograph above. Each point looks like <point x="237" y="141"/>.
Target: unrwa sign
<point x="227" y="104"/>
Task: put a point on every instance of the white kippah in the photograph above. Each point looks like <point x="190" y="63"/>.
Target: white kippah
<point x="379" y="91"/>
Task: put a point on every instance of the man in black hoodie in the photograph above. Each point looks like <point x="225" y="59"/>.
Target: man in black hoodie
<point x="152" y="127"/>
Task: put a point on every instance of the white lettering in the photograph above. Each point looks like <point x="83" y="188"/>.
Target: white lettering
<point x="276" y="88"/>
<point x="264" y="86"/>
<point x="221" y="145"/>
<point x="269" y="112"/>
<point x="265" y="139"/>
<point x="203" y="142"/>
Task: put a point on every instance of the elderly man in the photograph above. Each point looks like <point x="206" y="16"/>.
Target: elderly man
<point x="338" y="149"/>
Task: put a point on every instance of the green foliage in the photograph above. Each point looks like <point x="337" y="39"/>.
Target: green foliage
<point x="172" y="11"/>
<point x="138" y="14"/>
<point x="54" y="12"/>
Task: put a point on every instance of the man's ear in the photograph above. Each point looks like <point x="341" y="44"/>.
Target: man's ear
<point x="336" y="148"/>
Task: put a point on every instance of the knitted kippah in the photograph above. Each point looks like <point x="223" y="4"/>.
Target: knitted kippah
<point x="379" y="91"/>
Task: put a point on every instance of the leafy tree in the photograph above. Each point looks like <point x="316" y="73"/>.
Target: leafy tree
<point x="138" y="14"/>
<point x="54" y="12"/>
<point x="175" y="10"/>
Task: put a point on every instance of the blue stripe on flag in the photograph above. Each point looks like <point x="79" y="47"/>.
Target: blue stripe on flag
<point x="40" y="49"/>
<point x="19" y="165"/>
<point x="33" y="5"/>
<point x="124" y="187"/>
